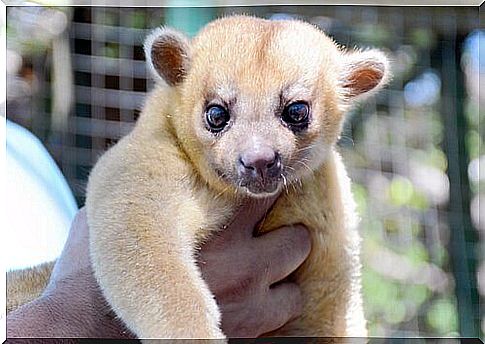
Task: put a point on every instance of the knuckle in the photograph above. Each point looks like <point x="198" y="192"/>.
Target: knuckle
<point x="287" y="253"/>
<point x="270" y="317"/>
<point x="279" y="318"/>
<point x="295" y="236"/>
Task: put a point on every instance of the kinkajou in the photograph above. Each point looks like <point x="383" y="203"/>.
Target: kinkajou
<point x="246" y="108"/>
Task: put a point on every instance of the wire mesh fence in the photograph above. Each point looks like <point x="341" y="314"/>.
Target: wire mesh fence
<point x="406" y="150"/>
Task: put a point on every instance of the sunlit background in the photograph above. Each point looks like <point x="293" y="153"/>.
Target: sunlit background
<point x="76" y="78"/>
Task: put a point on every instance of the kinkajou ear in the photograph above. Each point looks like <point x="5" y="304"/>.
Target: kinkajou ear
<point x="363" y="72"/>
<point x="168" y="55"/>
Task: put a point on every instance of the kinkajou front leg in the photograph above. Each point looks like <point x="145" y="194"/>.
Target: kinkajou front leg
<point x="142" y="256"/>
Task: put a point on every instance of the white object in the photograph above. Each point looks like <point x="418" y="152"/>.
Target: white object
<point x="39" y="204"/>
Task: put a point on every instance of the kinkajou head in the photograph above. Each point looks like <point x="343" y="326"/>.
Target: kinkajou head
<point x="260" y="102"/>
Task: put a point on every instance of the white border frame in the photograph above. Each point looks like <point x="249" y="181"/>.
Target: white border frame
<point x="150" y="3"/>
<point x="3" y="104"/>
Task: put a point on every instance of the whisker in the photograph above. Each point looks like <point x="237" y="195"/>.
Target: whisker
<point x="237" y="188"/>
<point x="305" y="165"/>
<point x="222" y="192"/>
<point x="299" y="150"/>
<point x="285" y="183"/>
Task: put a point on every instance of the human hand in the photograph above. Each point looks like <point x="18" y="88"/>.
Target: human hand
<point x="238" y="268"/>
<point x="241" y="271"/>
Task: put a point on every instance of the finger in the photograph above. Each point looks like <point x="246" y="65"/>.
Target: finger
<point x="284" y="249"/>
<point x="283" y="303"/>
<point x="249" y="213"/>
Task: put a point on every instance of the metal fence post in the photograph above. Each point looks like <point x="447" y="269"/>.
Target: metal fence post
<point x="463" y="237"/>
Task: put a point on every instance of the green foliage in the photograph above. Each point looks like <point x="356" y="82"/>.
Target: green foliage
<point x="111" y="50"/>
<point x="433" y="157"/>
<point x="403" y="193"/>
<point x="416" y="254"/>
<point x="360" y="196"/>
<point x="110" y="18"/>
<point x="438" y="254"/>
<point x="442" y="317"/>
<point x="473" y="142"/>
<point x="373" y="34"/>
<point x="138" y="19"/>
<point x="423" y="38"/>
<point x="388" y="303"/>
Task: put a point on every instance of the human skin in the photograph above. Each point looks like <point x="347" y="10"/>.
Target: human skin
<point x="240" y="269"/>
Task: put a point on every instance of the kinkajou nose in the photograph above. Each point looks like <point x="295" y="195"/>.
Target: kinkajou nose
<point x="261" y="162"/>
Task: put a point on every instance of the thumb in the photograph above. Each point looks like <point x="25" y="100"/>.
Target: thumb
<point x="249" y="213"/>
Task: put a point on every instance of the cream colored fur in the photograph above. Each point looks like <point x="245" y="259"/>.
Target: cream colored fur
<point x="154" y="196"/>
<point x="27" y="284"/>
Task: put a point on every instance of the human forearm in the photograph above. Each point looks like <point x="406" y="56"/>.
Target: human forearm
<point x="31" y="320"/>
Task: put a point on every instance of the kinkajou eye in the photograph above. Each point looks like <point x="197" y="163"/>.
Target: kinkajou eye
<point x="217" y="118"/>
<point x="296" y="115"/>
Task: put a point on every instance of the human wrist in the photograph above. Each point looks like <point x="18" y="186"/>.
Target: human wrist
<point x="85" y="312"/>
<point x="59" y="314"/>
